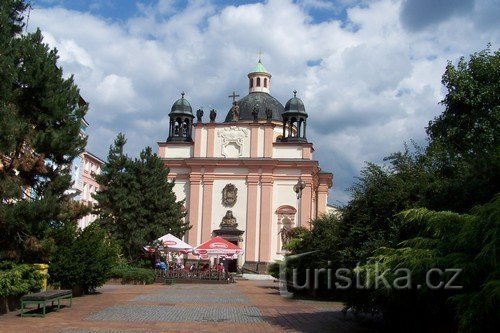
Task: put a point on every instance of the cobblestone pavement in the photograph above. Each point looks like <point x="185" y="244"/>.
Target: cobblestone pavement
<point x="246" y="306"/>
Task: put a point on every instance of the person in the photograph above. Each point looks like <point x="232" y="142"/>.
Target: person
<point x="163" y="267"/>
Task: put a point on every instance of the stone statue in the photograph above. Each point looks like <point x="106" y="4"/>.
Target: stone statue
<point x="229" y="195"/>
<point x="235" y="112"/>
<point x="199" y="115"/>
<point x="269" y="115"/>
<point x="213" y="114"/>
<point x="229" y="220"/>
<point x="255" y="114"/>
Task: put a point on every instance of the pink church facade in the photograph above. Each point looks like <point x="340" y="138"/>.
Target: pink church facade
<point x="241" y="178"/>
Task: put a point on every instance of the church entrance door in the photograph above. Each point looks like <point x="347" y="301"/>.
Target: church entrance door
<point x="232" y="265"/>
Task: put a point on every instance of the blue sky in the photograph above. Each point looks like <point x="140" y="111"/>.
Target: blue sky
<point x="368" y="71"/>
<point x="319" y="11"/>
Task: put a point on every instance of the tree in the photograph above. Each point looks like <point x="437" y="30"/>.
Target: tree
<point x="437" y="188"/>
<point x="464" y="141"/>
<point x="470" y="123"/>
<point x="464" y="247"/>
<point x="39" y="137"/>
<point x="86" y="262"/>
<point x="136" y="203"/>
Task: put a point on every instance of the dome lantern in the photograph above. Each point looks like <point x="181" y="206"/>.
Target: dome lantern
<point x="259" y="79"/>
<point x="181" y="121"/>
<point x="294" y="120"/>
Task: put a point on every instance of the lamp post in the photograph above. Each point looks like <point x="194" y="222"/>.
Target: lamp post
<point x="297" y="188"/>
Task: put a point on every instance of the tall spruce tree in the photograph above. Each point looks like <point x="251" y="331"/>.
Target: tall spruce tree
<point x="136" y="203"/>
<point x="40" y="119"/>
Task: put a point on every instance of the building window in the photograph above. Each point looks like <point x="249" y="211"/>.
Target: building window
<point x="251" y="83"/>
<point x="265" y="83"/>
<point x="258" y="82"/>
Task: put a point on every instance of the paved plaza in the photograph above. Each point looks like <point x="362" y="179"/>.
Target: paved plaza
<point x="245" y="306"/>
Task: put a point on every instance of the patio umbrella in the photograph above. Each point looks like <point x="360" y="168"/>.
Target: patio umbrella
<point x="217" y="246"/>
<point x="171" y="243"/>
<point x="174" y="244"/>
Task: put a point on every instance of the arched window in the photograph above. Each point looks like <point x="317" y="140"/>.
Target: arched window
<point x="293" y="123"/>
<point x="185" y="128"/>
<point x="258" y="82"/>
<point x="251" y="82"/>
<point x="265" y="82"/>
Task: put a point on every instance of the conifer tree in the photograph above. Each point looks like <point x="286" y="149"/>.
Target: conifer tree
<point x="136" y="203"/>
<point x="40" y="120"/>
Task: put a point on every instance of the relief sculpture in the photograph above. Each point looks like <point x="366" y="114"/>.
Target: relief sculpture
<point x="229" y="195"/>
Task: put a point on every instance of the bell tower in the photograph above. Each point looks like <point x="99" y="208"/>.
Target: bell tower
<point x="181" y="121"/>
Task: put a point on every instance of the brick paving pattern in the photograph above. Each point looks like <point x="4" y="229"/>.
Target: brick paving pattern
<point x="144" y="313"/>
<point x="246" y="306"/>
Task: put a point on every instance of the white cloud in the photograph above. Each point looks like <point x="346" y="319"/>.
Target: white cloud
<point x="372" y="84"/>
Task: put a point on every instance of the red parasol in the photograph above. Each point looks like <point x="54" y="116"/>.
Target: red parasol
<point x="217" y="246"/>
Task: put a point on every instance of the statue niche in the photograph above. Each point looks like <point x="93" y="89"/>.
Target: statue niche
<point x="229" y="195"/>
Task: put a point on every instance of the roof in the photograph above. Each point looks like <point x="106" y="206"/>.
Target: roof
<point x="261" y="101"/>
<point x="295" y="105"/>
<point x="182" y="107"/>
<point x="259" y="68"/>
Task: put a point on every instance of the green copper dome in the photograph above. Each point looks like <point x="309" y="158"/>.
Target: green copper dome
<point x="259" y="68"/>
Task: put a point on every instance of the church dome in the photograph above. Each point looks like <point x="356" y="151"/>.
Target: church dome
<point x="261" y="101"/>
<point x="259" y="68"/>
<point x="295" y="105"/>
<point x="182" y="107"/>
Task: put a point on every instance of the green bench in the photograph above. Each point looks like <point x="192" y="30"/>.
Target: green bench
<point x="42" y="298"/>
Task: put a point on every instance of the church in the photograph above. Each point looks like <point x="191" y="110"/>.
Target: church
<point x="249" y="178"/>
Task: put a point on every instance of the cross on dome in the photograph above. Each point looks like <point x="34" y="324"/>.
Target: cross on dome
<point x="233" y="96"/>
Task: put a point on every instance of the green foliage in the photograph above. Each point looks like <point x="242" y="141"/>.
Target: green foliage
<point x="458" y="170"/>
<point x="39" y="138"/>
<point x="470" y="124"/>
<point x="273" y="269"/>
<point x="132" y="274"/>
<point x="86" y="261"/>
<point x="464" y="148"/>
<point x="18" y="279"/>
<point x="442" y="240"/>
<point x="379" y="194"/>
<point x="321" y="245"/>
<point x="136" y="203"/>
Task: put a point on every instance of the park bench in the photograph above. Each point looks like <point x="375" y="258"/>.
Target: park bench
<point x="42" y="298"/>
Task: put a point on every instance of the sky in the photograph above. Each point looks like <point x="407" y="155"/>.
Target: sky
<point x="368" y="72"/>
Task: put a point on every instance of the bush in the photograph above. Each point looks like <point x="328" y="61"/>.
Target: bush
<point x="132" y="274"/>
<point x="274" y="269"/>
<point x="87" y="262"/>
<point x="18" y="280"/>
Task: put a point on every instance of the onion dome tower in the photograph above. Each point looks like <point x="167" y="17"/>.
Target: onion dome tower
<point x="294" y="120"/>
<point x="259" y="99"/>
<point x="181" y="121"/>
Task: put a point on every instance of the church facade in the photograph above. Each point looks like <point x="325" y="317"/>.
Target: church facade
<point x="249" y="178"/>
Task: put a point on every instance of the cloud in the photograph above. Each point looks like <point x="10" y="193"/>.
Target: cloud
<point x="370" y="79"/>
